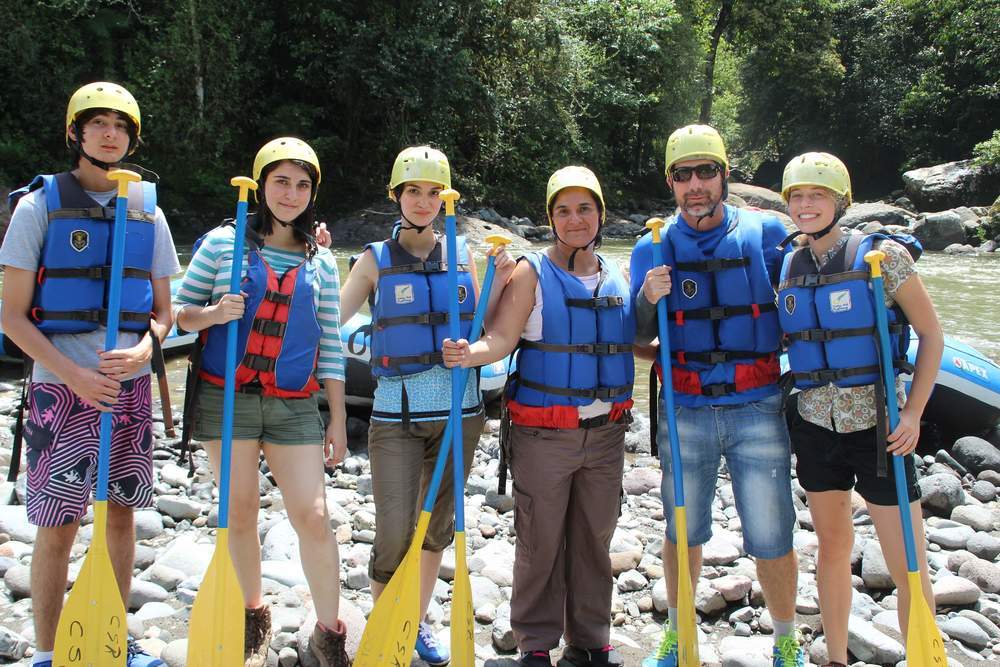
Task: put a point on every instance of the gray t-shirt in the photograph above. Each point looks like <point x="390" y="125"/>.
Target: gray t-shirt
<point x="22" y="249"/>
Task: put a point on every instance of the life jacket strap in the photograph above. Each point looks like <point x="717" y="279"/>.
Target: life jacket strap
<point x="426" y="359"/>
<point x="93" y="273"/>
<point x="280" y="298"/>
<point x="601" y="349"/>
<point x="435" y="318"/>
<point x="722" y="312"/>
<point x="820" y="279"/>
<point x="269" y="327"/>
<point x="600" y="393"/>
<point x="98" y="316"/>
<point x="257" y="362"/>
<point x="714" y="265"/>
<point x="597" y="302"/>
<point x="717" y="356"/>
<point x="101" y="213"/>
<point x="431" y="266"/>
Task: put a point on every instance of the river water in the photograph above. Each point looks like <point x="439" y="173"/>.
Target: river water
<point x="964" y="290"/>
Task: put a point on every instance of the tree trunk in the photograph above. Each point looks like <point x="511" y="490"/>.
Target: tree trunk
<point x="199" y="78"/>
<point x="725" y="14"/>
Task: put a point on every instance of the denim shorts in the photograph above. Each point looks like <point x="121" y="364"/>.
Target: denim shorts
<point x="753" y="438"/>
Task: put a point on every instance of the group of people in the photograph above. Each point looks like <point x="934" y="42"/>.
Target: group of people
<point x="735" y="286"/>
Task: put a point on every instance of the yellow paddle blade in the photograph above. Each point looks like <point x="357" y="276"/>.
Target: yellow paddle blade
<point x="92" y="630"/>
<point x="463" y="628"/>
<point x="687" y="631"/>
<point x="924" y="646"/>
<point x="217" y="617"/>
<point x="391" y="631"/>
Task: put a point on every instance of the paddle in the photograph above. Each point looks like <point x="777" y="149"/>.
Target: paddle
<point x="687" y="632"/>
<point x="217" y="617"/>
<point x="923" y="640"/>
<point x="391" y="631"/>
<point x="91" y="628"/>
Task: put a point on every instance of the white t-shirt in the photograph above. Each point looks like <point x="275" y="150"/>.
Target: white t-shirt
<point x="22" y="249"/>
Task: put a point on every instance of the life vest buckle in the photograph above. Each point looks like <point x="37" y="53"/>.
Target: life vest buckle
<point x="269" y="328"/>
<point x="717" y="313"/>
<point x="811" y="280"/>
<point x="815" y="335"/>
<point x="717" y="390"/>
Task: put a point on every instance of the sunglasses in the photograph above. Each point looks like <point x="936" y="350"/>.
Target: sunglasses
<point x="705" y="172"/>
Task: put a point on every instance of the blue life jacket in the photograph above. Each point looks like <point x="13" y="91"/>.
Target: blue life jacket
<point x="75" y="265"/>
<point x="724" y="332"/>
<point x="828" y="315"/>
<point x="278" y="335"/>
<point x="585" y="353"/>
<point x="410" y="309"/>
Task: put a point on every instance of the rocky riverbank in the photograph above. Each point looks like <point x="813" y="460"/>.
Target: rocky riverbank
<point x="176" y="541"/>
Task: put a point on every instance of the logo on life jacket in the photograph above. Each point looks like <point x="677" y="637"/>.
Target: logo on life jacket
<point x="79" y="239"/>
<point x="689" y="287"/>
<point x="840" y="301"/>
<point x="462" y="293"/>
<point x="404" y="293"/>
<point x="790" y="304"/>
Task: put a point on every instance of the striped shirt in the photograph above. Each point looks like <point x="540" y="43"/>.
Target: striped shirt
<point x="207" y="279"/>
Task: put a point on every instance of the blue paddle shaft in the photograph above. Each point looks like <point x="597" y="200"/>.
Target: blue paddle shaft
<point x="457" y="376"/>
<point x="477" y="325"/>
<point x="889" y="375"/>
<point x="111" y="338"/>
<point x="229" y="392"/>
<point x="668" y="384"/>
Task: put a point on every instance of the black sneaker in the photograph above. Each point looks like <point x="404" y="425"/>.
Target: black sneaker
<point x="535" y="659"/>
<point x="607" y="656"/>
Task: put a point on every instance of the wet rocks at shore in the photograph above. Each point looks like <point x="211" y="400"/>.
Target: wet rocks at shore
<point x="176" y="542"/>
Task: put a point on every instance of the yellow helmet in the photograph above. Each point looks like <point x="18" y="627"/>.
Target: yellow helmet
<point x="286" y="148"/>
<point x="573" y="177"/>
<point x="694" y="142"/>
<point x="817" y="169"/>
<point x="419" y="163"/>
<point x="103" y="95"/>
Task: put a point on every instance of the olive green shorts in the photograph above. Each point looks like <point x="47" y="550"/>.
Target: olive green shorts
<point x="278" y="421"/>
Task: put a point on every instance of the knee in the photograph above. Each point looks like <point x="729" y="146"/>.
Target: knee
<point x="121" y="519"/>
<point x="312" y="524"/>
<point x="243" y="511"/>
<point x="835" y="543"/>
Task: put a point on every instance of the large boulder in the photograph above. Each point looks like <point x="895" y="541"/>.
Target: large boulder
<point x="976" y="454"/>
<point x="759" y="197"/>
<point x="952" y="184"/>
<point x="885" y="214"/>
<point x="937" y="231"/>
<point x="941" y="493"/>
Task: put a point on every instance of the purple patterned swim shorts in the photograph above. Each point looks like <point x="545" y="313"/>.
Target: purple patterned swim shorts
<point x="62" y="437"/>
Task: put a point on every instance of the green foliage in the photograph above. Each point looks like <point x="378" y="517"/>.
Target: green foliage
<point x="987" y="153"/>
<point x="510" y="89"/>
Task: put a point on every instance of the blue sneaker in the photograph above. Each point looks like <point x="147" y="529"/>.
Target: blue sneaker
<point x="44" y="663"/>
<point x="788" y="652"/>
<point x="665" y="654"/>
<point x="139" y="658"/>
<point x="429" y="648"/>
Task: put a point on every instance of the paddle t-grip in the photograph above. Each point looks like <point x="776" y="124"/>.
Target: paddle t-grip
<point x="654" y="225"/>
<point x="874" y="259"/>
<point x="245" y="184"/>
<point x="123" y="177"/>
<point x="449" y="197"/>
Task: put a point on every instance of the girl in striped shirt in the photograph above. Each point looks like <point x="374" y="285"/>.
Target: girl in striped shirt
<point x="289" y="314"/>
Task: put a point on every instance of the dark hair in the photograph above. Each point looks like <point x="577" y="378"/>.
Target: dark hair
<point x="88" y="115"/>
<point x="302" y="226"/>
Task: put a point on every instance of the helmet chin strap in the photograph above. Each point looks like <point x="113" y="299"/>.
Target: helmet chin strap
<point x="100" y="164"/>
<point x="409" y="224"/>
<point x="818" y="234"/>
<point x="571" y="262"/>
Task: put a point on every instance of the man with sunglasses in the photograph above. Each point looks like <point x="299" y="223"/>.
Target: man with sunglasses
<point x="722" y="264"/>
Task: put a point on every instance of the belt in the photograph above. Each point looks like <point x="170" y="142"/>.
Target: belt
<point x="598" y="421"/>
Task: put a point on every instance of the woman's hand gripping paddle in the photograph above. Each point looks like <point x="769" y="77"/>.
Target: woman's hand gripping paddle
<point x="391" y="631"/>
<point x="687" y="631"/>
<point x="217" y="617"/>
<point x="92" y="628"/>
<point x="924" y="646"/>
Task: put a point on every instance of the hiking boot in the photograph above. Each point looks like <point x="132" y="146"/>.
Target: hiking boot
<point x="594" y="657"/>
<point x="329" y="646"/>
<point x="665" y="654"/>
<point x="788" y="652"/>
<point x="257" y="636"/>
<point x="535" y="659"/>
<point x="430" y="650"/>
